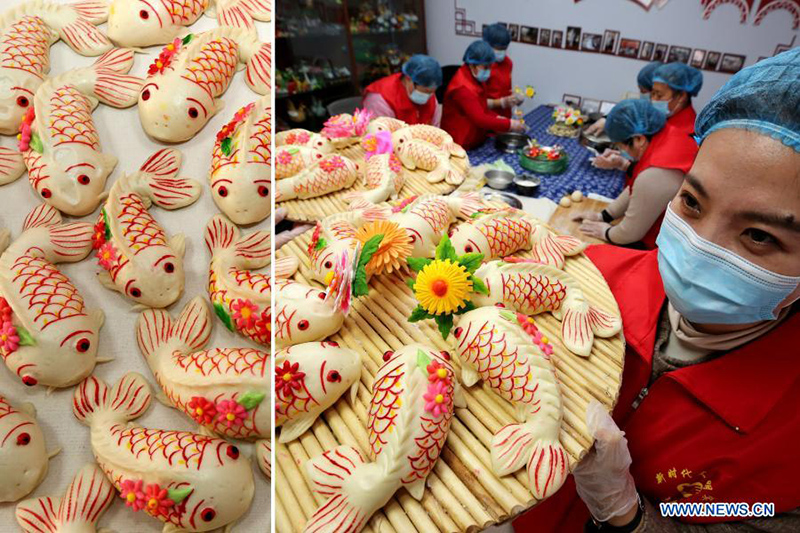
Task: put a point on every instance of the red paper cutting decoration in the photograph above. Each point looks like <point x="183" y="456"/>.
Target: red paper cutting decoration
<point x="767" y="6"/>
<point x="745" y="7"/>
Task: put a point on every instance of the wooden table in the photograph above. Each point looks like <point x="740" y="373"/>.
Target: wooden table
<point x="562" y="221"/>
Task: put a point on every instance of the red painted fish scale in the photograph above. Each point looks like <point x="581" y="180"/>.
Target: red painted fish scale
<point x="7" y="410"/>
<point x="383" y="408"/>
<point x="289" y="406"/>
<point x="424" y="156"/>
<point x="322" y="180"/>
<point x="435" y="212"/>
<point x="26" y="46"/>
<point x="430" y="445"/>
<point x="212" y="67"/>
<point x="288" y="164"/>
<point x="223" y="362"/>
<point x="49" y="294"/>
<point x="71" y="118"/>
<point x="167" y="448"/>
<point x="184" y="12"/>
<point x="255" y="282"/>
<point x="499" y="363"/>
<point x="138" y="227"/>
<point x="532" y="294"/>
<point x="428" y="133"/>
<point x="219" y="159"/>
<point x="37" y="169"/>
<point x="505" y="235"/>
<point x="260" y="140"/>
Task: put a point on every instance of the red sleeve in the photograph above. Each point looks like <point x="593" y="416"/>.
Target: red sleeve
<point x="471" y="106"/>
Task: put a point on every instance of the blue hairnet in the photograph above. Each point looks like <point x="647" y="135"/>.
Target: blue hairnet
<point x="497" y="36"/>
<point x="764" y="97"/>
<point x="645" y="76"/>
<point x="423" y="70"/>
<point x="680" y="77"/>
<point x="633" y="117"/>
<point x="479" y="53"/>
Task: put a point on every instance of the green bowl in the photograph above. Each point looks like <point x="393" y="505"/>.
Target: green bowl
<point x="543" y="167"/>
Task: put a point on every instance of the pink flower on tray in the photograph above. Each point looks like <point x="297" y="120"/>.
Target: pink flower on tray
<point x="285" y="157"/>
<point x="107" y="256"/>
<point x="436" y="399"/>
<point x="244" y="313"/>
<point x="288" y="378"/>
<point x="9" y="339"/>
<point x="5" y="310"/>
<point x="99" y="235"/>
<point x="331" y="164"/>
<point x="438" y="372"/>
<point x="157" y="500"/>
<point x="231" y="413"/>
<point x="378" y="143"/>
<point x="202" y="410"/>
<point x="131" y="491"/>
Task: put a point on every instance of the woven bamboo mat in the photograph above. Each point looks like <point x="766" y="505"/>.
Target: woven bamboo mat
<point x="462" y="493"/>
<point x="312" y="209"/>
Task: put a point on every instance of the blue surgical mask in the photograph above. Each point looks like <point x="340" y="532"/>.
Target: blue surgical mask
<point x="419" y="97"/>
<point x="708" y="284"/>
<point x="499" y="55"/>
<point x="627" y="156"/>
<point x="661" y="105"/>
<point x="483" y="75"/>
<point x="644" y="96"/>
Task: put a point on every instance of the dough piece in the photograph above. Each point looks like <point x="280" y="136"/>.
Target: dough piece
<point x="565" y="202"/>
<point x="576" y="196"/>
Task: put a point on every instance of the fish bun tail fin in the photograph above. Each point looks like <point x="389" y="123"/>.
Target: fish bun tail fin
<point x="57" y="242"/>
<point x="570" y="245"/>
<point x="285" y="267"/>
<point x="467" y="205"/>
<point x="159" y="181"/>
<point x="241" y="13"/>
<point x="75" y="26"/>
<point x="603" y="323"/>
<point x="94" y="11"/>
<point x="12" y="165"/>
<point x="155" y="328"/>
<point x="329" y="474"/>
<point x="258" y="69"/>
<point x="518" y="446"/>
<point x="576" y="330"/>
<point x="441" y="172"/>
<point x="111" y="83"/>
<point x="87" y="497"/>
<point x="127" y="400"/>
<point x="251" y="251"/>
<point x="455" y="150"/>
<point x="547" y="250"/>
<point x="221" y="234"/>
<point x="368" y="211"/>
<point x="39" y="515"/>
<point x="264" y="449"/>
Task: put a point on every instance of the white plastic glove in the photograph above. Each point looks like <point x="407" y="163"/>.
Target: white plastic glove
<point x="611" y="160"/>
<point x="286" y="236"/>
<point x="603" y="477"/>
<point x="597" y="128"/>
<point x="587" y="215"/>
<point x="518" y="126"/>
<point x="515" y="99"/>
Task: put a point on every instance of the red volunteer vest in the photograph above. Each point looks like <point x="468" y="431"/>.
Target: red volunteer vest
<point x="499" y="84"/>
<point x="395" y="94"/>
<point x="670" y="148"/>
<point x="722" y="431"/>
<point x="454" y="121"/>
<point x="684" y="120"/>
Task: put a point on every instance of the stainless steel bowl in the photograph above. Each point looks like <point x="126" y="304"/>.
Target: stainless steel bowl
<point x="498" y="179"/>
<point x="527" y="184"/>
<point x="510" y="142"/>
<point x="494" y="196"/>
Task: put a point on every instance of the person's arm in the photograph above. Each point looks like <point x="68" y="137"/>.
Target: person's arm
<point x="653" y="522"/>
<point x="437" y="116"/>
<point x="378" y="105"/>
<point x="618" y="207"/>
<point x="652" y="191"/>
<point x="470" y="104"/>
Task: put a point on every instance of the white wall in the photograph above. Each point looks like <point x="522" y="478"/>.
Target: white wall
<point x="554" y="72"/>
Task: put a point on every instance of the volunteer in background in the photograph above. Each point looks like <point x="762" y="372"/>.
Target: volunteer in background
<point x="410" y="95"/>
<point x="498" y="88"/>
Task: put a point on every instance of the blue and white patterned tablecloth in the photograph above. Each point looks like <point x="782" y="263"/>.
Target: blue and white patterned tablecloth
<point x="580" y="175"/>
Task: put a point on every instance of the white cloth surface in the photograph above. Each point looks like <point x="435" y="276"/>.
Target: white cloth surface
<point x="122" y="134"/>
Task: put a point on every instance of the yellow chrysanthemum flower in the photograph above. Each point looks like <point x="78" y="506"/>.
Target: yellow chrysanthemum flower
<point x="442" y="287"/>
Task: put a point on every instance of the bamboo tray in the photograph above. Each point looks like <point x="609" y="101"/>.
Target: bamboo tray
<point x="313" y="209"/>
<point x="462" y="493"/>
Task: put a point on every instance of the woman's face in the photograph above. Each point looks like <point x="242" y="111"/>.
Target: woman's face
<point x="676" y="100"/>
<point x="743" y="193"/>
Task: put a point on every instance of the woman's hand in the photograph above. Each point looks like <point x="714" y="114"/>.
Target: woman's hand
<point x="603" y="477"/>
<point x="286" y="236"/>
<point x="611" y="160"/>
<point x="594" y="228"/>
<point x="597" y="128"/>
<point x="518" y="126"/>
<point x="511" y="100"/>
<point x="587" y="215"/>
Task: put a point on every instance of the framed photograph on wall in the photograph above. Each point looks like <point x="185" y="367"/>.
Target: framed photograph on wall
<point x="513" y="29"/>
<point x="606" y="107"/>
<point x="731" y="63"/>
<point x="629" y="48"/>
<point x="590" y="105"/>
<point x="544" y="37"/>
<point x="571" y="100"/>
<point x="610" y="39"/>
<point x="573" y="40"/>
<point x="680" y="54"/>
<point x="782" y="48"/>
<point x="660" y="53"/>
<point x="529" y="35"/>
<point x="712" y="60"/>
<point x="697" y="58"/>
<point x="647" y="51"/>
<point x="591" y="42"/>
<point x="558" y="38"/>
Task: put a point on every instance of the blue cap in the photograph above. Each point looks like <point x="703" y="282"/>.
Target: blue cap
<point x="680" y="77"/>
<point x="633" y="117"/>
<point x="645" y="76"/>
<point x="764" y="97"/>
<point x="479" y="53"/>
<point x="497" y="36"/>
<point x="423" y="70"/>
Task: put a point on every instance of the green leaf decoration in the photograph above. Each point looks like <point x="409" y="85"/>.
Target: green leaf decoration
<point x="36" y="143"/>
<point x="188" y="38"/>
<point x="293" y="150"/>
<point x="476" y="214"/>
<point x="445" y="250"/>
<point x="418" y="263"/>
<point x="423" y="360"/>
<point x="224" y="316"/>
<point x="419" y="313"/>
<point x="479" y="286"/>
<point x="321" y="243"/>
<point x="226" y="145"/>
<point x="406" y="208"/>
<point x="106" y="224"/>
<point x="508" y="315"/>
<point x="25" y="338"/>
<point x="471" y="261"/>
<point x="178" y="495"/>
<point x="445" y="323"/>
<point x="251" y="399"/>
<point x="360" y="287"/>
<point x="411" y="282"/>
<point x="468" y="306"/>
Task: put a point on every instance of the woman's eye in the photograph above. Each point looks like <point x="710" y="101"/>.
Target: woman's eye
<point x="759" y="237"/>
<point x="690" y="202"/>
